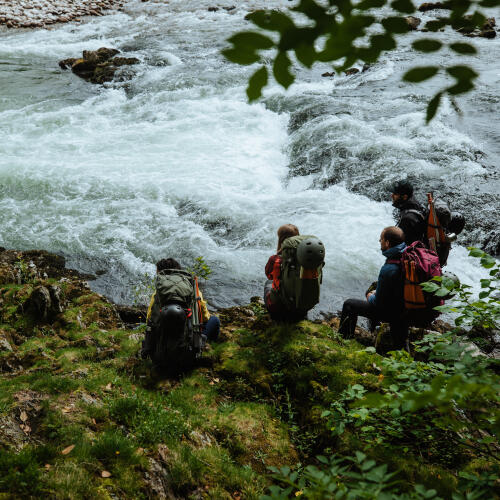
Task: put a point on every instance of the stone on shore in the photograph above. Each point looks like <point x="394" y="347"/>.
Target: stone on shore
<point x="42" y="13"/>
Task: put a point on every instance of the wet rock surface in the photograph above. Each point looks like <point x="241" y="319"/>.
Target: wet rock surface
<point x="42" y="13"/>
<point x="97" y="66"/>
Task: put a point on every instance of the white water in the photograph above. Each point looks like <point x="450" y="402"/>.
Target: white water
<point x="175" y="162"/>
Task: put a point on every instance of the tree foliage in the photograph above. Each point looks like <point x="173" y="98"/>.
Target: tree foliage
<point x="346" y="32"/>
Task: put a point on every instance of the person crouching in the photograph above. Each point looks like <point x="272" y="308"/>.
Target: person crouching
<point x="386" y="302"/>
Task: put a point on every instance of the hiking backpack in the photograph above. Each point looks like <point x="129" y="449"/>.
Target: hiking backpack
<point x="176" y="321"/>
<point x="418" y="265"/>
<point x="301" y="264"/>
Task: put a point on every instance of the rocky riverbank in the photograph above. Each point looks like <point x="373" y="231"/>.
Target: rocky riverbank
<point x="81" y="416"/>
<point x="41" y="13"/>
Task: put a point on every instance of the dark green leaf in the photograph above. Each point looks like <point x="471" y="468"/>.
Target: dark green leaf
<point x="435" y="25"/>
<point x="405" y="6"/>
<point x="427" y="45"/>
<point x="271" y="20"/>
<point x="462" y="72"/>
<point x="460" y="87"/>
<point x="382" y="42"/>
<point x="251" y="39"/>
<point x="432" y="107"/>
<point x="240" y="56"/>
<point x="305" y="54"/>
<point x="483" y="295"/>
<point x="395" y="25"/>
<point x="281" y="70"/>
<point x="420" y="74"/>
<point x="370" y="4"/>
<point x="463" y="48"/>
<point x="490" y="3"/>
<point x="257" y="81"/>
<point x="311" y="9"/>
<point x="485" y="283"/>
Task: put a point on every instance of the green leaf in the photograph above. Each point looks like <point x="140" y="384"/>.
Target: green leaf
<point x="252" y="40"/>
<point x="462" y="72"/>
<point x="306" y="54"/>
<point x="432" y="107"/>
<point x="370" y="4"/>
<point x="395" y="25"/>
<point x="485" y="283"/>
<point x="420" y="74"/>
<point x="427" y="45"/>
<point x="463" y="48"/>
<point x="382" y="42"/>
<point x="490" y="3"/>
<point x="311" y="9"/>
<point x="484" y="294"/>
<point x="488" y="261"/>
<point x="281" y="70"/>
<point x="460" y="87"/>
<point x="257" y="81"/>
<point x="271" y="20"/>
<point x="240" y="56"/>
<point x="475" y="252"/>
<point x="405" y="6"/>
<point x="435" y="25"/>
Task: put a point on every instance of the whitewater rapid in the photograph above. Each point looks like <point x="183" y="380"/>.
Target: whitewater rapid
<point x="175" y="162"/>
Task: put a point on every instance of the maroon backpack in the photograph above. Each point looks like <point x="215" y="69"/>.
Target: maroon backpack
<point x="418" y="265"/>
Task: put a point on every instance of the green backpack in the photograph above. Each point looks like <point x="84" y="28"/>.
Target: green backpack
<point x="176" y="350"/>
<point x="302" y="261"/>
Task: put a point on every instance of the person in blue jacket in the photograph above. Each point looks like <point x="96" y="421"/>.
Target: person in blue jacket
<point x="386" y="302"/>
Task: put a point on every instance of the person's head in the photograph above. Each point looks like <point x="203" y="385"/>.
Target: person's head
<point x="286" y="231"/>
<point x="164" y="264"/>
<point x="401" y="191"/>
<point x="390" y="237"/>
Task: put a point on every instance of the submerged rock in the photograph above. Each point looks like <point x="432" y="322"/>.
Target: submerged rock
<point x="97" y="66"/>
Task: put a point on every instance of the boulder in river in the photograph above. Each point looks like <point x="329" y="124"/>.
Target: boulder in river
<point x="97" y="66"/>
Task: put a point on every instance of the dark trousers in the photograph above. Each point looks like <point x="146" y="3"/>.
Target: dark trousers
<point x="211" y="328"/>
<point x="353" y="308"/>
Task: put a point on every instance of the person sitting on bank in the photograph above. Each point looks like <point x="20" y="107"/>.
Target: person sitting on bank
<point x="412" y="218"/>
<point x="386" y="303"/>
<point x="273" y="273"/>
<point x="210" y="325"/>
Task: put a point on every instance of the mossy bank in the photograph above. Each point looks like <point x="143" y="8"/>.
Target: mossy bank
<point x="81" y="416"/>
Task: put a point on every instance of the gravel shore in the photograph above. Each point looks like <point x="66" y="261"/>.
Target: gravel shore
<point x="40" y="13"/>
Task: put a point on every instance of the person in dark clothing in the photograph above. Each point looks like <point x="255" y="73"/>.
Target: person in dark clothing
<point x="386" y="302"/>
<point x="412" y="215"/>
<point x="210" y="325"/>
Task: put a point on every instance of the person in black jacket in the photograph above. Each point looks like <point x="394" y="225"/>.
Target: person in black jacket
<point x="386" y="303"/>
<point x="412" y="215"/>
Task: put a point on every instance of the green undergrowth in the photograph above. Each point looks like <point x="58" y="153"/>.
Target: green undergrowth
<point x="82" y="417"/>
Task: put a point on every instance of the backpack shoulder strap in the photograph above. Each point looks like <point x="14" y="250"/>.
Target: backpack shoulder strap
<point x="413" y="211"/>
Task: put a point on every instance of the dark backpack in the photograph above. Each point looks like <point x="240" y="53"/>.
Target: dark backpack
<point x="418" y="265"/>
<point x="302" y="260"/>
<point x="175" y="321"/>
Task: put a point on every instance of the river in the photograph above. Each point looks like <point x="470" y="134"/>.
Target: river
<point x="175" y="162"/>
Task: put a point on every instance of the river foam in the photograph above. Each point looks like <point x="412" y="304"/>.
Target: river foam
<point x="175" y="162"/>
